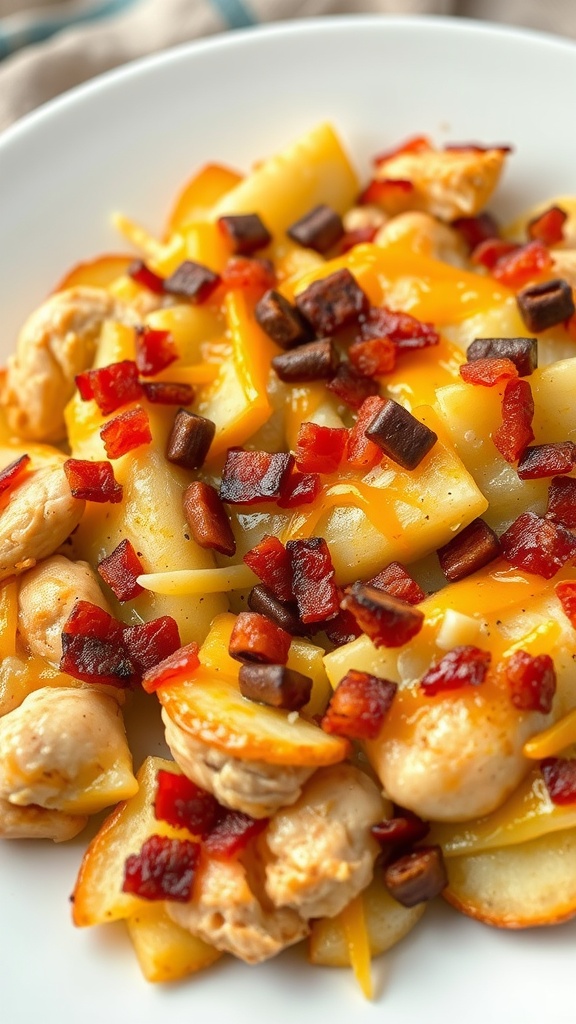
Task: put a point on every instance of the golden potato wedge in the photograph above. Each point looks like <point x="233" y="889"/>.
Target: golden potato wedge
<point x="165" y="951"/>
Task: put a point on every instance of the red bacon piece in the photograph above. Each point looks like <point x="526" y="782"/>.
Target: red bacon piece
<point x="180" y="665"/>
<point x="13" y="473"/>
<point x="299" y="489"/>
<point x="146" y="277"/>
<point x="476" y="229"/>
<point x="562" y="501"/>
<point x="127" y="431"/>
<point x="155" y="350"/>
<point x="183" y="804"/>
<point x="93" y="648"/>
<point x="462" y="666"/>
<point x="248" y="274"/>
<point x="111" y="386"/>
<point x="374" y="357"/>
<point x="256" y="638"/>
<point x="396" y="580"/>
<point x="351" y="387"/>
<point x="358" y="706"/>
<point x="250" y="477"/>
<point x="164" y="869"/>
<point x="489" y="251"/>
<point x="388" y="621"/>
<point x="488" y="372"/>
<point x="87" y="619"/>
<point x="548" y="227"/>
<point x="149" y="643"/>
<point x="542" y="460"/>
<point x="358" y="236"/>
<point x="537" y="545"/>
<point x="120" y="570"/>
<point x="271" y="563"/>
<point x="566" y="594"/>
<point x="404" y="330"/>
<point x="168" y="392"/>
<point x="320" y="449"/>
<point x="232" y="834"/>
<point x="515" y="432"/>
<point x="405" y="829"/>
<point x="313" y="580"/>
<point x="92" y="481"/>
<point x="386" y="192"/>
<point x="559" y="774"/>
<point x="361" y="452"/>
<point x="518" y="268"/>
<point x="532" y="681"/>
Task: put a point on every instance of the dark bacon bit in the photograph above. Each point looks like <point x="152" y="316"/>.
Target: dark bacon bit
<point x="523" y="352"/>
<point x="351" y="387"/>
<point x="249" y="477"/>
<point x="231" y="835"/>
<point x="402" y="830"/>
<point x="476" y="229"/>
<point x="404" y="330"/>
<point x="342" y="629"/>
<point x="111" y="386"/>
<point x="519" y="267"/>
<point x="270" y="562"/>
<point x="163" y="870"/>
<point x="127" y="431"/>
<point x="489" y="252"/>
<point x="313" y="580"/>
<point x="245" y="232"/>
<point x="180" y="665"/>
<point x="373" y="357"/>
<point x="358" y="236"/>
<point x="92" y="481"/>
<point x="12" y="474"/>
<point x="548" y="226"/>
<point x="262" y="600"/>
<point x="319" y="229"/>
<point x="320" y="449"/>
<point x="248" y="273"/>
<point x="145" y="277"/>
<point x="389" y="193"/>
<point x="545" y="305"/>
<point x="120" y="571"/>
<point x="333" y="302"/>
<point x="395" y="580"/>
<point x="562" y="501"/>
<point x="168" y="393"/>
<point x="559" y="774"/>
<point x="190" y="439"/>
<point x="547" y="460"/>
<point x="360" y="451"/>
<point x="192" y="281"/>
<point x="416" y="876"/>
<point x="93" y="649"/>
<point x="207" y="519"/>
<point x="317" y="360"/>
<point x="281" y="321"/>
<point x="183" y="804"/>
<point x="299" y="489"/>
<point x="401" y="437"/>
<point x="515" y="432"/>
<point x="155" y="350"/>
<point x="148" y="643"/>
<point x="537" y="545"/>
<point x="488" y="372"/>
<point x="358" y="706"/>
<point x="256" y="638"/>
<point x="276" y="686"/>
<point x="388" y="621"/>
<point x="474" y="547"/>
<point x="532" y="681"/>
<point x="462" y="666"/>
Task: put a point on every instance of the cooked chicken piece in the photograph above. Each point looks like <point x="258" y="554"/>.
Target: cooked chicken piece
<point x="359" y="217"/>
<point x="447" y="183"/>
<point x="65" y="749"/>
<point x="427" y="235"/>
<point x="254" y="787"/>
<point x="226" y="913"/>
<point x="47" y="596"/>
<point x="38" y="823"/>
<point x="41" y="513"/>
<point x="321" y="849"/>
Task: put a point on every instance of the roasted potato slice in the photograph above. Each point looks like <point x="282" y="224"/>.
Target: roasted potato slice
<point x="165" y="951"/>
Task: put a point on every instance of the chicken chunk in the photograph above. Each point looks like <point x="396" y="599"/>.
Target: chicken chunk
<point x="427" y="235"/>
<point x="65" y="749"/>
<point x="38" y="823"/>
<point x="254" y="787"/>
<point x="47" y="596"/>
<point x="226" y="913"/>
<point x="320" y="851"/>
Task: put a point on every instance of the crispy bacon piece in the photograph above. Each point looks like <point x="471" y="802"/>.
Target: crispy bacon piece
<point x="544" y="305"/>
<point x="262" y="600"/>
<point x="87" y="619"/>
<point x="559" y="774"/>
<point x="149" y="643"/>
<point x="515" y="432"/>
<point x="164" y="869"/>
<point x="111" y="386"/>
<point x="127" y="431"/>
<point x="532" y="681"/>
<point x="403" y="829"/>
<point x="474" y="547"/>
<point x="401" y="437"/>
<point x="523" y="352"/>
<point x="566" y="594"/>
<point x="320" y="229"/>
<point x="316" y="360"/>
<point x="489" y="251"/>
<point x="93" y="647"/>
<point x="155" y="350"/>
<point x="249" y="477"/>
<point x="120" y="570"/>
<point x="476" y="229"/>
<point x="416" y="876"/>
<point x="183" y="804"/>
<point x="146" y="277"/>
<point x="351" y="387"/>
<point x="340" y="630"/>
<point x="388" y="621"/>
<point x="299" y="489"/>
<point x="248" y="274"/>
<point x="403" y="329"/>
<point x="360" y="451"/>
<point x="358" y="706"/>
<point x="92" y="481"/>
<point x="181" y="664"/>
<point x="524" y="264"/>
<point x="332" y="302"/>
<point x="537" y="545"/>
<point x="13" y="473"/>
<point x="192" y="281"/>
<point x="396" y="580"/>
<point x="320" y="449"/>
<point x="168" y="392"/>
<point x="313" y="580"/>
<point x="207" y="519"/>
<point x="390" y="193"/>
<point x="271" y="563"/>
<point x="276" y="686"/>
<point x="245" y="232"/>
<point x="373" y="357"/>
<point x="548" y="226"/>
<point x="232" y="834"/>
<point x="256" y="638"/>
<point x="462" y="666"/>
<point x="488" y="372"/>
<point x="562" y="501"/>
<point x="547" y="460"/>
<point x="281" y="321"/>
<point x="190" y="439"/>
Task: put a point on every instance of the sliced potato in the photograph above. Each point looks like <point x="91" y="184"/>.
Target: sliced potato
<point x="165" y="951"/>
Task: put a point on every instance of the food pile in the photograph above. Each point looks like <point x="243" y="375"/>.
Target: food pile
<point x="301" y="476"/>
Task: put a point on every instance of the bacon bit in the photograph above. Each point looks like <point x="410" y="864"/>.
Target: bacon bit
<point x="164" y="869"/>
<point x="566" y="594"/>
<point x="488" y="372"/>
<point x="523" y="352"/>
<point x="168" y="393"/>
<point x="127" y="431"/>
<point x="519" y="267"/>
<point x="548" y="227"/>
<point x="245" y="232"/>
<point x="342" y="629"/>
<point x="389" y="193"/>
<point x="562" y="501"/>
<point x="256" y="638"/>
<point x="415" y="144"/>
<point x="547" y="460"/>
<point x="12" y="474"/>
<point x="192" y="281"/>
<point x="350" y="387"/>
<point x="190" y="439"/>
<point x="360" y="451"/>
<point x="313" y="580"/>
<point x="155" y="350"/>
<point x="316" y="360"/>
<point x="145" y="277"/>
<point x="515" y="432"/>
<point x="406" y="331"/>
<point x="149" y="643"/>
<point x="299" y="489"/>
<point x="320" y="449"/>
<point x="332" y="302"/>
<point x="320" y="229"/>
<point x="532" y="681"/>
<point x="87" y="619"/>
<point x="373" y="357"/>
<point x="283" y="614"/>
<point x="402" y="830"/>
<point x="359" y="236"/>
<point x="462" y="666"/>
<point x="180" y="665"/>
<point x="417" y="876"/>
<point x="358" y="706"/>
<point x="537" y="545"/>
<point x="270" y="562"/>
<point x="92" y="481"/>
<point x="396" y="580"/>
<point x="276" y="686"/>
<point x="247" y="274"/>
<point x="93" y="648"/>
<point x="250" y="477"/>
<point x="559" y="774"/>
<point x="544" y="305"/>
<point x="473" y="548"/>
<point x="281" y="321"/>
<point x="401" y="437"/>
<point x="111" y="386"/>
<point x="231" y="835"/>
<point x="207" y="519"/>
<point x="120" y="571"/>
<point x="183" y="804"/>
<point x="475" y="230"/>
<point x="388" y="621"/>
<point x="490" y="251"/>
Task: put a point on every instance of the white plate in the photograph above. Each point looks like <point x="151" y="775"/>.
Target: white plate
<point x="127" y="142"/>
